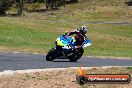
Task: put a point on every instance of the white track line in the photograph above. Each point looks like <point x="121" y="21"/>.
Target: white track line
<point x="12" y="72"/>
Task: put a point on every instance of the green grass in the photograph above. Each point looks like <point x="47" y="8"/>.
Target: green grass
<point x="111" y="40"/>
<point x="107" y="40"/>
<point x="37" y="32"/>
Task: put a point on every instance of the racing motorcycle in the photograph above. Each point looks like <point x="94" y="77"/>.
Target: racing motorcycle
<point x="64" y="49"/>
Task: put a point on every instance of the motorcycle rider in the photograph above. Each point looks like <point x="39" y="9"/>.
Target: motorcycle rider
<point x="80" y="36"/>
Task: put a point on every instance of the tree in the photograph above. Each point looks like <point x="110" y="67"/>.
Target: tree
<point x="3" y="5"/>
<point x="20" y="6"/>
<point x="129" y="3"/>
<point x="73" y="1"/>
<point x="6" y="4"/>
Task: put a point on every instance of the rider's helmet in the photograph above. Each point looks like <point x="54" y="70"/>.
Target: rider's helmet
<point x="83" y="30"/>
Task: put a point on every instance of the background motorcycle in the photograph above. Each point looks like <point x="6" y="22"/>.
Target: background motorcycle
<point x="64" y="49"/>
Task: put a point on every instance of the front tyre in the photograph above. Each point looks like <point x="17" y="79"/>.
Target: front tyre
<point x="50" y="56"/>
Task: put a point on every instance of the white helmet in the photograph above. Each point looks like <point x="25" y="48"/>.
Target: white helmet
<point x="83" y="30"/>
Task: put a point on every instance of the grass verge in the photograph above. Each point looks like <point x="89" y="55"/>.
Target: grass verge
<point x="37" y="32"/>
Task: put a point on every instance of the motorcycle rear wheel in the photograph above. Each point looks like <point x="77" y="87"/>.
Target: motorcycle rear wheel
<point x="76" y="56"/>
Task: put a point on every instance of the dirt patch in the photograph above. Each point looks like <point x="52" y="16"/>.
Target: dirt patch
<point x="59" y="79"/>
<point x="54" y="79"/>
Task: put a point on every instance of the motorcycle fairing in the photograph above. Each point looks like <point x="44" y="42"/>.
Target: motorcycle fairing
<point x="87" y="43"/>
<point x="64" y="41"/>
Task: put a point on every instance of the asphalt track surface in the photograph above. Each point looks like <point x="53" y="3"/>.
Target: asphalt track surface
<point x="18" y="61"/>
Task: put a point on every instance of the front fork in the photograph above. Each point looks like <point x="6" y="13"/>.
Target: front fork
<point x="58" y="51"/>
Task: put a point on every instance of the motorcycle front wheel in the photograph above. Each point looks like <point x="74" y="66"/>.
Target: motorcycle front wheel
<point x="51" y="55"/>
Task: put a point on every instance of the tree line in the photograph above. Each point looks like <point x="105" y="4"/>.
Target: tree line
<point x="53" y="4"/>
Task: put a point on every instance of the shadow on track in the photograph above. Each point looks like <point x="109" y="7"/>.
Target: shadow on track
<point x="64" y="61"/>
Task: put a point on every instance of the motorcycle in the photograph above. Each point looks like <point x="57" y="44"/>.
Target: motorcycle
<point x="64" y="49"/>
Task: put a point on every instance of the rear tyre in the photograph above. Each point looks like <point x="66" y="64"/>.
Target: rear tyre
<point x="80" y="53"/>
<point x="73" y="58"/>
<point x="77" y="55"/>
<point x="50" y="56"/>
